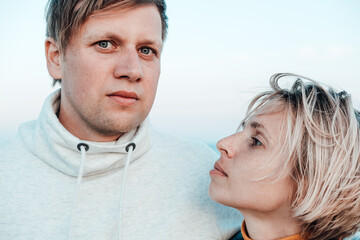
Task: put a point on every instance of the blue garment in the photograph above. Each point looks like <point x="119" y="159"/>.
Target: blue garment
<point x="237" y="236"/>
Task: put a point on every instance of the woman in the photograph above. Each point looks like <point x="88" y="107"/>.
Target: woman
<point x="293" y="169"/>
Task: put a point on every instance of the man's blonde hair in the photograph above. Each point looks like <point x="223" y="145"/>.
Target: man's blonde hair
<point x="322" y="148"/>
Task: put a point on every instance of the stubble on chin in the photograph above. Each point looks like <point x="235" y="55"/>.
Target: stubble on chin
<point x="109" y="125"/>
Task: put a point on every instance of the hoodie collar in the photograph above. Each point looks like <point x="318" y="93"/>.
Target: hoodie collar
<point x="53" y="144"/>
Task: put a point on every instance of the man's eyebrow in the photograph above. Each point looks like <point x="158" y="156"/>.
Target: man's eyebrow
<point x="151" y="42"/>
<point x="97" y="36"/>
<point x="106" y="36"/>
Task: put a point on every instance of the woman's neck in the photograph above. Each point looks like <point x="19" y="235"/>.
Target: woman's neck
<point x="270" y="225"/>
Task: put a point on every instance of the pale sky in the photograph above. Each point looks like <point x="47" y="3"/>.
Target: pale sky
<point x="217" y="56"/>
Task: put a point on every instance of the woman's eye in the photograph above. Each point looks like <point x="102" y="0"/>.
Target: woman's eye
<point x="146" y="50"/>
<point x="256" y="142"/>
<point x="104" y="44"/>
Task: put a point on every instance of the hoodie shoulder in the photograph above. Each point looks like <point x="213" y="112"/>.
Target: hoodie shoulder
<point x="14" y="147"/>
<point x="189" y="161"/>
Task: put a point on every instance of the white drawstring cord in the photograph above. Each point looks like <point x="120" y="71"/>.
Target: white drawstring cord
<point x="129" y="149"/>
<point x="83" y="148"/>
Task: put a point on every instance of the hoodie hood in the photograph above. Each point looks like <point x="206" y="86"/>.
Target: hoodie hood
<point x="53" y="144"/>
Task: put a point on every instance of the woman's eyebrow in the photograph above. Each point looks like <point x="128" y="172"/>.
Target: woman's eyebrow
<point x="256" y="125"/>
<point x="260" y="129"/>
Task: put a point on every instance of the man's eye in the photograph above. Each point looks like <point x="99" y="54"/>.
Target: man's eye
<point x="256" y="142"/>
<point x="146" y="50"/>
<point x="104" y="44"/>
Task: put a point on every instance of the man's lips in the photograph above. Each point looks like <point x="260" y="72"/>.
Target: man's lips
<point x="218" y="170"/>
<point x="124" y="98"/>
<point x="124" y="94"/>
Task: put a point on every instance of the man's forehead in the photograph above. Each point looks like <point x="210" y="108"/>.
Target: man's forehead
<point x="99" y="24"/>
<point x="116" y="9"/>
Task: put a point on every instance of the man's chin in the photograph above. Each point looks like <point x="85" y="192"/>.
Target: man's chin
<point x="118" y="128"/>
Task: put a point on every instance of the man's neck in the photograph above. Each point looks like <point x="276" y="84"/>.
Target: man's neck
<point x="85" y="132"/>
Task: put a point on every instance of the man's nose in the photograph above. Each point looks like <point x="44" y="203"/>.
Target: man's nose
<point x="225" y="147"/>
<point x="128" y="65"/>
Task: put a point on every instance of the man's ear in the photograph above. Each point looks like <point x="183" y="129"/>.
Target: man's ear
<point x="53" y="58"/>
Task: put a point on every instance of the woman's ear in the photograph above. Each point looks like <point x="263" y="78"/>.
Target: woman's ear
<point x="53" y="58"/>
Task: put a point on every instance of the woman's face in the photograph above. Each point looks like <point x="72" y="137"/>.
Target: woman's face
<point x="246" y="157"/>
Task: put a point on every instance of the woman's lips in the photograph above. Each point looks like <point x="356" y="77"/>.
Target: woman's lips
<point x="124" y="98"/>
<point x="218" y="170"/>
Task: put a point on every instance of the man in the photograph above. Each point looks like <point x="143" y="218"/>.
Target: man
<point x="90" y="167"/>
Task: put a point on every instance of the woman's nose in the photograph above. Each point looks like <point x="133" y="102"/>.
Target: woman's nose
<point x="225" y="146"/>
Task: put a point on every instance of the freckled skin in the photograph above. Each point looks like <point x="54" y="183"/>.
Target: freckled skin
<point x="246" y="157"/>
<point x="245" y="160"/>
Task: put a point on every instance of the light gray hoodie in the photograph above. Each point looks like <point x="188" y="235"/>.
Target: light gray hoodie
<point x="52" y="188"/>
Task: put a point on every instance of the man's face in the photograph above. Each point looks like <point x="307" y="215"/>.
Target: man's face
<point x="110" y="73"/>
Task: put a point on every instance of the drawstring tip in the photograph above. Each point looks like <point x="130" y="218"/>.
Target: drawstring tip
<point x="133" y="145"/>
<point x="83" y="145"/>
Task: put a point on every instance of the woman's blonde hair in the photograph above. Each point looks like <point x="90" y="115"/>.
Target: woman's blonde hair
<point x="322" y="147"/>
